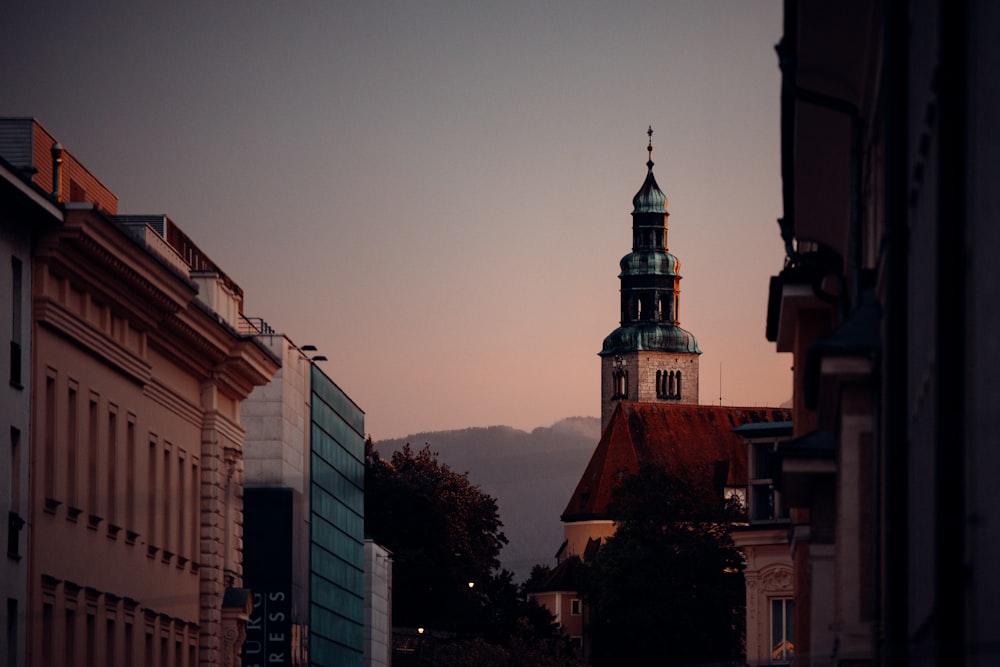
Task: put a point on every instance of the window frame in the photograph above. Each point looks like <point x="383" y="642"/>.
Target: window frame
<point x="787" y="630"/>
<point x="757" y="485"/>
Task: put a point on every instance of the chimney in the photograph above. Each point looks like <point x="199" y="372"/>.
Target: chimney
<point x="57" y="151"/>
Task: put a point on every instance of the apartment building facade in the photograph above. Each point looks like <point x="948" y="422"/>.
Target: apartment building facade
<point x="138" y="364"/>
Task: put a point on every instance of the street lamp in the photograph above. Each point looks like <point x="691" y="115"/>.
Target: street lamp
<point x="306" y="357"/>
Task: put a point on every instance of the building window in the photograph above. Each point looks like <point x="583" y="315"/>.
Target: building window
<point x="169" y="546"/>
<point x="70" y="638"/>
<point x="72" y="438"/>
<point x="782" y="630"/>
<point x="195" y="492"/>
<point x="129" y="645"/>
<point x="47" y="630"/>
<point x="51" y="423"/>
<point x="93" y="458"/>
<point x="736" y="496"/>
<point x="111" y="456"/>
<point x="11" y="631"/>
<point x="14" y="521"/>
<point x="619" y="380"/>
<point x="765" y="501"/>
<point x="130" y="445"/>
<point x="153" y="491"/>
<point x="15" y="318"/>
<point x="575" y="607"/>
<point x="110" y="643"/>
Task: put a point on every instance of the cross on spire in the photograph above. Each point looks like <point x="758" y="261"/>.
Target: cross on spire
<point x="650" y="147"/>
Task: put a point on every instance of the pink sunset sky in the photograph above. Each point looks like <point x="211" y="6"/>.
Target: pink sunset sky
<point x="437" y="194"/>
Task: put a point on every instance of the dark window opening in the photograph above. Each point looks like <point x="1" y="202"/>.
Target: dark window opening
<point x="619" y="383"/>
<point x="668" y="385"/>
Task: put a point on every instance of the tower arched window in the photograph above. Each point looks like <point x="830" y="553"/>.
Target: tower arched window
<point x="668" y="384"/>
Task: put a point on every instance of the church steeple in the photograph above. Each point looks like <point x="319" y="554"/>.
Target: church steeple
<point x="649" y="357"/>
<point x="649" y="198"/>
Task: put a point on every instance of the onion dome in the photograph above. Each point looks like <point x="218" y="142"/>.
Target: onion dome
<point x="649" y="337"/>
<point x="649" y="198"/>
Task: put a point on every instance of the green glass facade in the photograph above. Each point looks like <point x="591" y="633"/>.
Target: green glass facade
<point x="336" y="533"/>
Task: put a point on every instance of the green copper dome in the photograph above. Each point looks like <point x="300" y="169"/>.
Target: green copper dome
<point x="650" y="263"/>
<point x="651" y="337"/>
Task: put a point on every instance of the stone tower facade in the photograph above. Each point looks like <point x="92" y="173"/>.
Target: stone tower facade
<point x="649" y="357"/>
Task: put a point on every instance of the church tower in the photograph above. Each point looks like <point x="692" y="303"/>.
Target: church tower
<point x="649" y="358"/>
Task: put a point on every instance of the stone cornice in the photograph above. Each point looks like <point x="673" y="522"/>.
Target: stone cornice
<point x="195" y="348"/>
<point x="95" y="254"/>
<point x="234" y="362"/>
<point x="243" y="371"/>
<point x="60" y="319"/>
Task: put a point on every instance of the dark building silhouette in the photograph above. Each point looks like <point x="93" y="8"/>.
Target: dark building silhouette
<point x="888" y="300"/>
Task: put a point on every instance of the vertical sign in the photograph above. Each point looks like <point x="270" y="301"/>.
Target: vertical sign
<point x="269" y="630"/>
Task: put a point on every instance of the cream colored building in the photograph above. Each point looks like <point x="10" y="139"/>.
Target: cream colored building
<point x="140" y="359"/>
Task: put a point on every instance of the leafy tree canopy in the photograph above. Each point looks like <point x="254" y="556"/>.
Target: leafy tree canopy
<point x="667" y="588"/>
<point x="442" y="530"/>
<point x="445" y="533"/>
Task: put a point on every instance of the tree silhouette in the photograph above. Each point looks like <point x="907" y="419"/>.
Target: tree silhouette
<point x="667" y="588"/>
<point x="443" y="532"/>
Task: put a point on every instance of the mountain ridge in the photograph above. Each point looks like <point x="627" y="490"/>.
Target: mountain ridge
<point x="530" y="474"/>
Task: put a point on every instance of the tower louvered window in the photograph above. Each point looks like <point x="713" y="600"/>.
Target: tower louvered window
<point x="668" y="385"/>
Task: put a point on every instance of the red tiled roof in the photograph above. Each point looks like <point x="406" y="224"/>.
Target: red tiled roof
<point x="565" y="577"/>
<point x="672" y="435"/>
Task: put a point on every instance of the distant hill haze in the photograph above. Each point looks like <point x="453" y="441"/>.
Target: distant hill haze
<point x="531" y="475"/>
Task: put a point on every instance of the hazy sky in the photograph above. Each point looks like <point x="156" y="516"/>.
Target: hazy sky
<point x="437" y="194"/>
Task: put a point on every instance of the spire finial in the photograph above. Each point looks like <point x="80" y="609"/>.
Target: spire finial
<point x="650" y="147"/>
